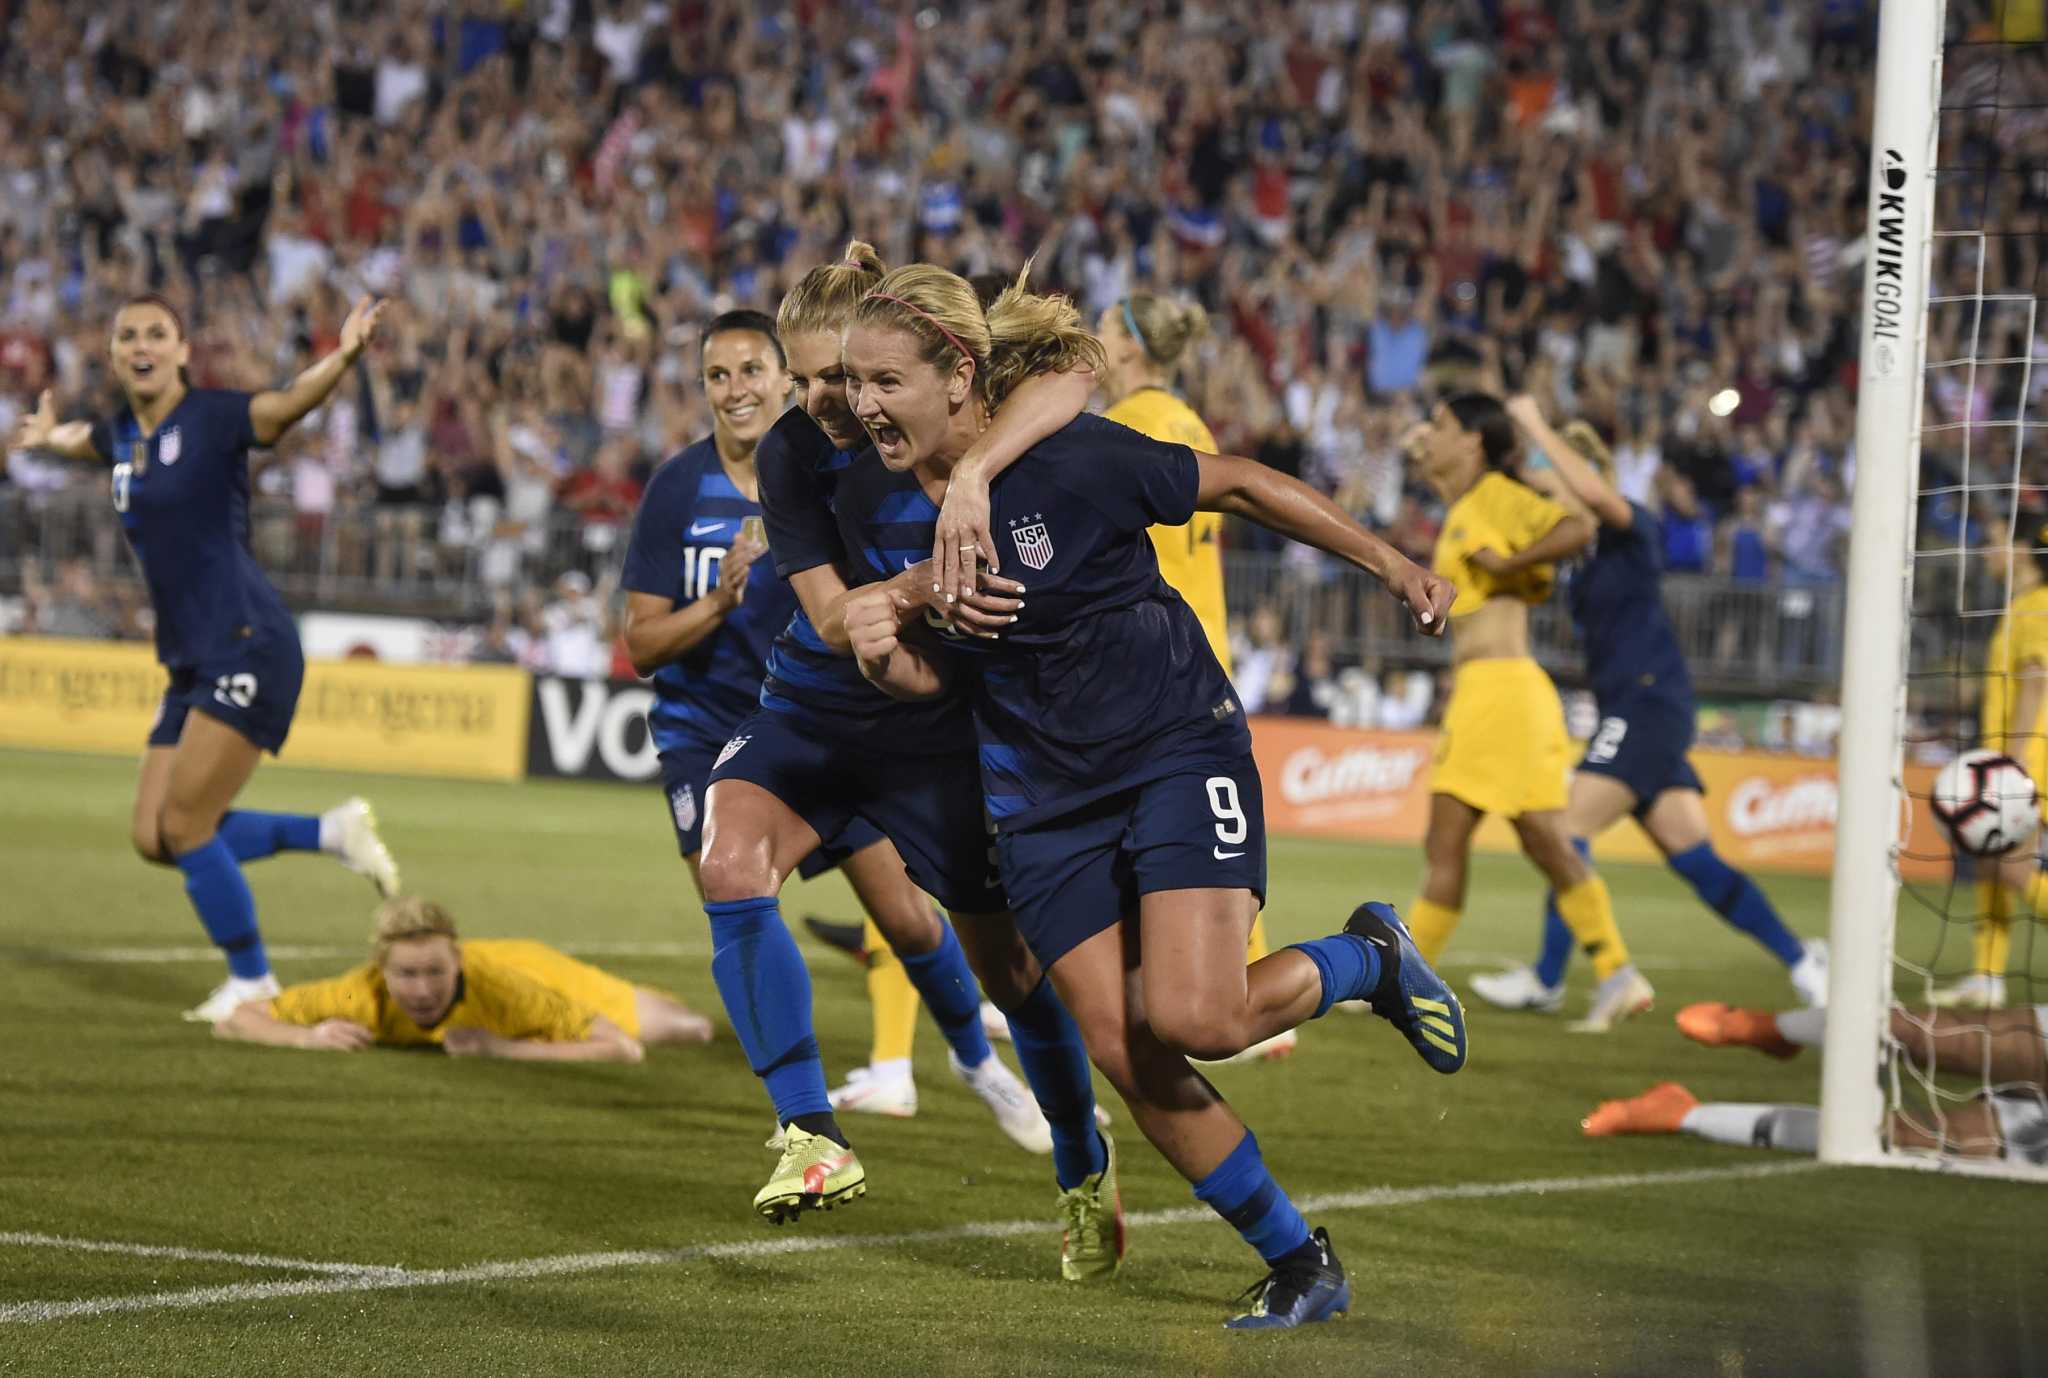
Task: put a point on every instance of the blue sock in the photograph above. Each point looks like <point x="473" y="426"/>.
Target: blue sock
<point x="1734" y="897"/>
<point x="951" y="994"/>
<point x="1055" y="1064"/>
<point x="1244" y="1193"/>
<point x="766" y="988"/>
<point x="1557" y="939"/>
<point x="1350" y="967"/>
<point x="252" y="836"/>
<point x="221" y="895"/>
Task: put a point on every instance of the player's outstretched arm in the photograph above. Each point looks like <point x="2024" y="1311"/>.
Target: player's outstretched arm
<point x="606" y="1042"/>
<point x="1249" y="489"/>
<point x="271" y="414"/>
<point x="41" y="430"/>
<point x="254" y="1023"/>
<point x="1585" y="481"/>
<point x="1034" y="410"/>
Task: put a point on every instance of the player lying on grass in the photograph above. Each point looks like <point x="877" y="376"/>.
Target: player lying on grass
<point x="2008" y="1049"/>
<point x="507" y="998"/>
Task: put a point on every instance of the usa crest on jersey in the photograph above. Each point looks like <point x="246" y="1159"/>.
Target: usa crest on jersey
<point x="170" y="447"/>
<point x="1034" y="545"/>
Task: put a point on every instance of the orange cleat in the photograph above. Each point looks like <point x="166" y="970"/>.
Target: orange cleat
<point x="1718" y="1025"/>
<point x="1659" y="1110"/>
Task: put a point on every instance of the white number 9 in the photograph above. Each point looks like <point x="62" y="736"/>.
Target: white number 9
<point x="1230" y="820"/>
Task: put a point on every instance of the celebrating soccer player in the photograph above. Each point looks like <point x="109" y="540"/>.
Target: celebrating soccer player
<point x="1504" y="748"/>
<point x="1636" y="763"/>
<point x="826" y="748"/>
<point x="180" y="459"/>
<point x="506" y="998"/>
<point x="1116" y="762"/>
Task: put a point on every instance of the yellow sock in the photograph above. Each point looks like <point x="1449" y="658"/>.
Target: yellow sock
<point x="1258" y="947"/>
<point x="1431" y="925"/>
<point x="1588" y="911"/>
<point x="1991" y="942"/>
<point x="892" y="1000"/>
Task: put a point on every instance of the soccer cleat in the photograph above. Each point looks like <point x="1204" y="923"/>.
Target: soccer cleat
<point x="843" y="937"/>
<point x="229" y="996"/>
<point x="1410" y="995"/>
<point x="1092" y="1247"/>
<point x="873" y="1095"/>
<point x="1723" y="1026"/>
<point x="1660" y="1110"/>
<point x="813" y="1174"/>
<point x="1980" y="990"/>
<point x="353" y="825"/>
<point x="994" y="1024"/>
<point x="1002" y="1093"/>
<point x="1272" y="1049"/>
<point x="1810" y="975"/>
<point x="1518" y="988"/>
<point x="1621" y="995"/>
<point x="1305" y="1287"/>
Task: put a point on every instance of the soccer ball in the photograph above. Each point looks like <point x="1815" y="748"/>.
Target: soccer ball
<point x="1986" y="802"/>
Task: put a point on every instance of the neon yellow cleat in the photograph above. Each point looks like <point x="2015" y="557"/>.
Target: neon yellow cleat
<point x="1092" y="1249"/>
<point x="813" y="1174"/>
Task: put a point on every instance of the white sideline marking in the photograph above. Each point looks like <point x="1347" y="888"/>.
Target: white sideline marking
<point x="19" y="1239"/>
<point x="340" y="1278"/>
<point x="287" y="952"/>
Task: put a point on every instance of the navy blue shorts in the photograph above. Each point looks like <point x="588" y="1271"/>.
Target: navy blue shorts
<point x="686" y="775"/>
<point x="1644" y="746"/>
<point x="929" y="806"/>
<point x="253" y="689"/>
<point x="1073" y="876"/>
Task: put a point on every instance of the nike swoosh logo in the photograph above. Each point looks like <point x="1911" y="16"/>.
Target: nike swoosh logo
<point x="1222" y="855"/>
<point x="706" y="528"/>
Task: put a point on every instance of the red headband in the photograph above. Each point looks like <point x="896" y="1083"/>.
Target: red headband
<point x="951" y="338"/>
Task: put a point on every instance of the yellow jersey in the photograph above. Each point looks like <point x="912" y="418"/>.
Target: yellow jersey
<point x="511" y="987"/>
<point x="2020" y="643"/>
<point x="1190" y="556"/>
<point x="1502" y="515"/>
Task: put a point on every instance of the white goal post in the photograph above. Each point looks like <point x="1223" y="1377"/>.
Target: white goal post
<point x="1870" y="825"/>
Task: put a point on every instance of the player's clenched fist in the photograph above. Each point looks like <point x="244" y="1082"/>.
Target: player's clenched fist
<point x="873" y="622"/>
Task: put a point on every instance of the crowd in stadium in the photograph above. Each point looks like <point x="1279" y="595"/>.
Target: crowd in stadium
<point x="1645" y="213"/>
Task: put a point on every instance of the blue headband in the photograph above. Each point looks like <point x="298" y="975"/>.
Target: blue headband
<point x="1131" y="324"/>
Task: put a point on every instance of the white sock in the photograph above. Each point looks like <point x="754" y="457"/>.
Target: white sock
<point x="330" y="831"/>
<point x="1793" y="1128"/>
<point x="1807" y="1028"/>
<point x="891" y="1069"/>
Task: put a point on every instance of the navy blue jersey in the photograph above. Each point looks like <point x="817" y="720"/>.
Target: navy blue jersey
<point x="183" y="496"/>
<point x="1106" y="680"/>
<point x="688" y="519"/>
<point x="800" y="477"/>
<point x="1631" y="646"/>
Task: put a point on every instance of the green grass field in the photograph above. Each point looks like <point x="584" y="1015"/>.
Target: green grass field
<point x="1482" y="1233"/>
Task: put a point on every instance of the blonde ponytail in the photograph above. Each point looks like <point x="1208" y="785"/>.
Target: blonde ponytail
<point x="1164" y="328"/>
<point x="825" y="297"/>
<point x="1030" y="334"/>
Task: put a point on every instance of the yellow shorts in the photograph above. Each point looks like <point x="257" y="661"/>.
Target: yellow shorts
<point x="1503" y="748"/>
<point x="579" y="982"/>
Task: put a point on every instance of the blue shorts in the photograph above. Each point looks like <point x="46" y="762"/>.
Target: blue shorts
<point x="254" y="689"/>
<point x="686" y="775"/>
<point x="929" y="806"/>
<point x="1643" y="745"/>
<point x="1073" y="876"/>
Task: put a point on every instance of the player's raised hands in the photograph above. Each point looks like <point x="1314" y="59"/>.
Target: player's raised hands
<point x="34" y="430"/>
<point x="734" y="568"/>
<point x="961" y="536"/>
<point x="1525" y="411"/>
<point x="989" y="604"/>
<point x="360" y="328"/>
<point x="339" y="1036"/>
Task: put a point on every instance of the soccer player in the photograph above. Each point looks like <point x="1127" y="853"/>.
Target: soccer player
<point x="1143" y="338"/>
<point x="180" y="483"/>
<point x="701" y="614"/>
<point x="1636" y="763"/>
<point x="1503" y="747"/>
<point x="2013" y="718"/>
<point x="1115" y="759"/>
<point x="2004" y="1047"/>
<point x="825" y="748"/>
<point x="509" y="998"/>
